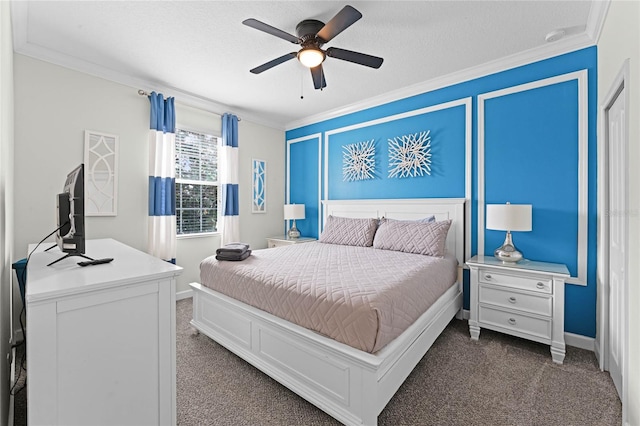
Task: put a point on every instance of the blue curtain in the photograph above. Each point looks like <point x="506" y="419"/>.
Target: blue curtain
<point x="229" y="211"/>
<point x="162" y="178"/>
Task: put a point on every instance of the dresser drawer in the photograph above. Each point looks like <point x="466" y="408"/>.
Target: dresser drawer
<point x="542" y="284"/>
<point x="532" y="303"/>
<point x="538" y="327"/>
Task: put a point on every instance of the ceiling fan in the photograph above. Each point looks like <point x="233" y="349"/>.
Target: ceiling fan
<point x="312" y="34"/>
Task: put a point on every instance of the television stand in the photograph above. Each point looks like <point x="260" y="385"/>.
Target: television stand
<point x="69" y="255"/>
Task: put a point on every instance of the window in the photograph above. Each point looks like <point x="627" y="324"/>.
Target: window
<point x="196" y="183"/>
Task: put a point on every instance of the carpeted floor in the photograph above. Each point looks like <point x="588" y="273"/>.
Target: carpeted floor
<point x="499" y="380"/>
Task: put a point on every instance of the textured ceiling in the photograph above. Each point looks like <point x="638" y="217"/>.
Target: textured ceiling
<point x="201" y="52"/>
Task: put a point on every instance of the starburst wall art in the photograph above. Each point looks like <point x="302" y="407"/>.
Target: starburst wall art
<point x="410" y="155"/>
<point x="358" y="161"/>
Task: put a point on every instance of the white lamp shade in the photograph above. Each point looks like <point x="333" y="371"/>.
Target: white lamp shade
<point x="509" y="217"/>
<point x="293" y="211"/>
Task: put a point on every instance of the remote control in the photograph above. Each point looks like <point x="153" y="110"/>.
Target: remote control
<point x="96" y="261"/>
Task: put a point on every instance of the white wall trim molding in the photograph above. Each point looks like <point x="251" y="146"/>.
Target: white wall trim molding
<point x="468" y="135"/>
<point x="563" y="46"/>
<point x="579" y="341"/>
<point x="318" y="137"/>
<point x="184" y="294"/>
<point x="583" y="152"/>
<point x="466" y="102"/>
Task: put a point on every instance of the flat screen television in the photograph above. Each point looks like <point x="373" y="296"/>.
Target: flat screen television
<point x="70" y="236"/>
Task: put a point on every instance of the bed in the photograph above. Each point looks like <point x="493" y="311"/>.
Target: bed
<point x="352" y="382"/>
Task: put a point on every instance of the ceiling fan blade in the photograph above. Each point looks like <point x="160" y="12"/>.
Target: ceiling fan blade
<point x="273" y="63"/>
<point x="254" y="23"/>
<point x="343" y="20"/>
<point x="318" y="77"/>
<point x="355" y="57"/>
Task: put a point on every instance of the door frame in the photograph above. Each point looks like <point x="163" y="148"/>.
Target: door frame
<point x="621" y="82"/>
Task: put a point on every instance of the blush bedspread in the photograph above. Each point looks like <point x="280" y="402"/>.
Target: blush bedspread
<point x="360" y="296"/>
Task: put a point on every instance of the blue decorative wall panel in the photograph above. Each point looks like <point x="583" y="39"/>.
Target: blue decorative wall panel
<point x="303" y="183"/>
<point x="531" y="145"/>
<point x="531" y="156"/>
<point x="447" y="179"/>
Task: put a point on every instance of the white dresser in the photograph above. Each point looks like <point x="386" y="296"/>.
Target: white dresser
<point x="525" y="299"/>
<point x="101" y="339"/>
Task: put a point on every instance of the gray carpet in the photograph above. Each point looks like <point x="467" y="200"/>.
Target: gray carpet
<point x="499" y="380"/>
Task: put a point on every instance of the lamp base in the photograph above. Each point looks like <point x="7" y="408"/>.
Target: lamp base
<point x="508" y="253"/>
<point x="293" y="231"/>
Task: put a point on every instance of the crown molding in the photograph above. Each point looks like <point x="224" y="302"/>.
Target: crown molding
<point x="21" y="45"/>
<point x="590" y="37"/>
<point x="567" y="45"/>
<point x="181" y="96"/>
<point x="595" y="21"/>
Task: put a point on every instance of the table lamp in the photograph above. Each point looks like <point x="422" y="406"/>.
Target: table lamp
<point x="293" y="212"/>
<point x="508" y="217"/>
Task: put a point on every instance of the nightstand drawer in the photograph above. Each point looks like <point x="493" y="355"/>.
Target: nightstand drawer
<point x="541" y="305"/>
<point x="542" y="285"/>
<point x="511" y="321"/>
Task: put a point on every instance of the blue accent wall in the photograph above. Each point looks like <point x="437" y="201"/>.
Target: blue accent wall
<point x="303" y="182"/>
<point x="541" y="168"/>
<point x="447" y="135"/>
<point x="531" y="156"/>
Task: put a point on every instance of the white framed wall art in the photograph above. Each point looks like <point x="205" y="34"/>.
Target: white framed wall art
<point x="259" y="186"/>
<point x="100" y="173"/>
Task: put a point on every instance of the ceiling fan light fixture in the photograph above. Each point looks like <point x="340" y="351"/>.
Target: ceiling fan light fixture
<point x="311" y="56"/>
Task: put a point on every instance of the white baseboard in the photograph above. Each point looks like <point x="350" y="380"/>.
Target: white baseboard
<point x="185" y="294"/>
<point x="579" y="341"/>
<point x="599" y="357"/>
<point x="465" y="314"/>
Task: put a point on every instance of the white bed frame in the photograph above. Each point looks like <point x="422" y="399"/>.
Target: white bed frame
<point x="350" y="385"/>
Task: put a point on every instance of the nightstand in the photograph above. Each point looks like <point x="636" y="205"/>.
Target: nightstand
<point x="525" y="299"/>
<point x="283" y="240"/>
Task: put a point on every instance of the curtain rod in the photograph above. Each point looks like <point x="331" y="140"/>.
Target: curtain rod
<point x="144" y="93"/>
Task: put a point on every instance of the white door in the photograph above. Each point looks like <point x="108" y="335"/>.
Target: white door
<point x="617" y="219"/>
